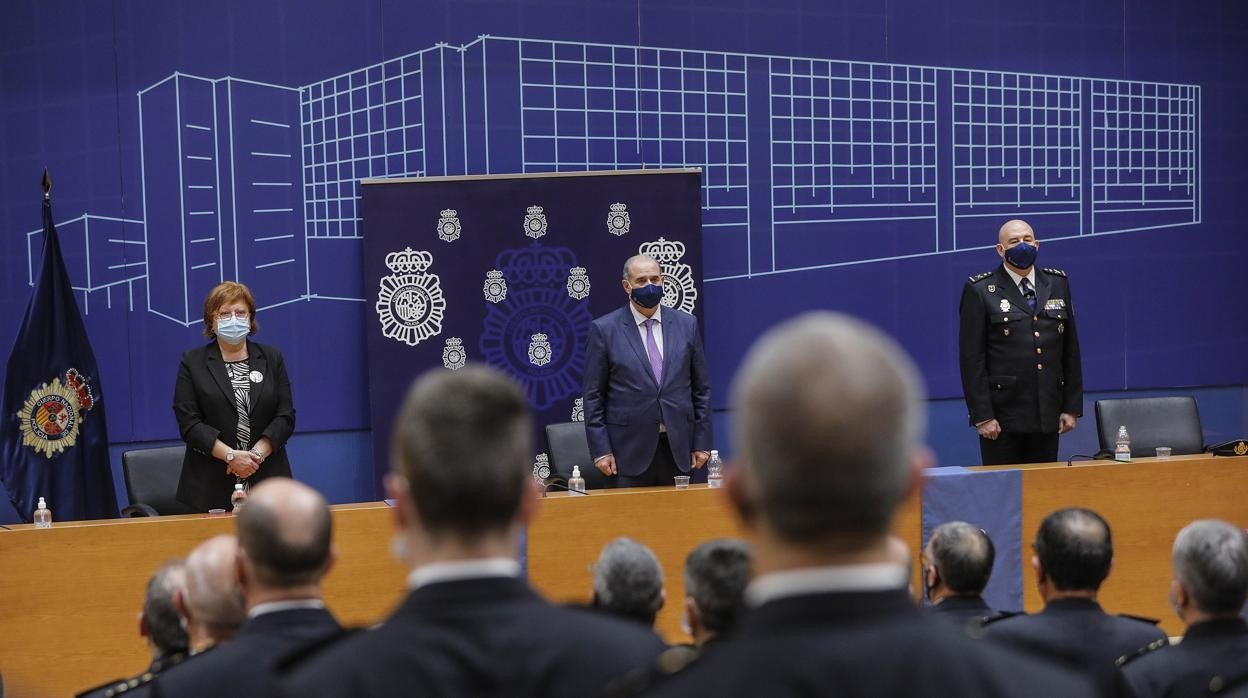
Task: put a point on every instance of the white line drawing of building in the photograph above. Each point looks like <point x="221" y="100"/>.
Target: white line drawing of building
<point x="807" y="163"/>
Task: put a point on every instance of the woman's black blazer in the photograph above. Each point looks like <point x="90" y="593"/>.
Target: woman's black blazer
<point x="203" y="403"/>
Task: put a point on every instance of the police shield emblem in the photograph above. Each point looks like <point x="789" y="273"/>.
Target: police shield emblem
<point x="1005" y="306"/>
<point x="448" y="225"/>
<point x="534" y="222"/>
<point x="410" y="304"/>
<point x="578" y="410"/>
<point x="678" y="288"/>
<point x="495" y="288"/>
<point x="49" y="419"/>
<point x="618" y="221"/>
<point x="541" y="467"/>
<point x="539" y="349"/>
<point x="578" y="283"/>
<point x="453" y="355"/>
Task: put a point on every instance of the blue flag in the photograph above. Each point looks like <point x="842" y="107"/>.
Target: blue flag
<point x="53" y="437"/>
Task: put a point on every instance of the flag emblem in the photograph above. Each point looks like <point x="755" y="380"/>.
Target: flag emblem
<point x="49" y="419"/>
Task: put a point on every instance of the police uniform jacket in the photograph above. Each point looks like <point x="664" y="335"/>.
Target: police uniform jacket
<point x="860" y="643"/>
<point x="486" y="637"/>
<point x="1078" y="634"/>
<point x="246" y="665"/>
<point x="1209" y="653"/>
<point x="1019" y="366"/>
<point x="137" y="685"/>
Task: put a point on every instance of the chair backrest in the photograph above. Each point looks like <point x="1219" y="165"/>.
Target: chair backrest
<point x="568" y="446"/>
<point x="152" y="478"/>
<point x="1151" y="422"/>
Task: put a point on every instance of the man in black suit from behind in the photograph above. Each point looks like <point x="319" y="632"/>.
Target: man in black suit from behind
<point x="1073" y="554"/>
<point x="284" y="550"/>
<point x="829" y="425"/>
<point x="470" y="625"/>
<point x="1208" y="593"/>
<point x="957" y="564"/>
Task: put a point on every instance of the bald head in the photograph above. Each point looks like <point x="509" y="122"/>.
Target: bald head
<point x="285" y="531"/>
<point x="1016" y="229"/>
<point x="212" y="594"/>
<point x="1075" y="549"/>
<point x="829" y="418"/>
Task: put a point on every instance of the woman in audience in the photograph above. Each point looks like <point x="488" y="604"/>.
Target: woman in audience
<point x="233" y="405"/>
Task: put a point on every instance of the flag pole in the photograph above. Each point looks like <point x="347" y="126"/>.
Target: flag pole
<point x="47" y="185"/>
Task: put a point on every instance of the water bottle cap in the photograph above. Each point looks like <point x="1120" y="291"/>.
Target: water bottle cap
<point x="238" y="487"/>
<point x="714" y="453"/>
<point x="576" y="471"/>
<point x="42" y="504"/>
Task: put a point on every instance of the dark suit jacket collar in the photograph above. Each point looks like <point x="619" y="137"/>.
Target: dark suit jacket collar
<point x="485" y="590"/>
<point x="826" y="610"/>
<point x="963" y="602"/>
<point x="1219" y="628"/>
<point x="1065" y="606"/>
<point x="276" y="622"/>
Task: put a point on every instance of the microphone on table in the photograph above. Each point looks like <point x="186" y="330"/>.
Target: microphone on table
<point x="1103" y="454"/>
<point x="559" y="484"/>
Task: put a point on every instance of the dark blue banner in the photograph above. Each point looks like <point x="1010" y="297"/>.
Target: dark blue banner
<point x="53" y="437"/>
<point x="510" y="271"/>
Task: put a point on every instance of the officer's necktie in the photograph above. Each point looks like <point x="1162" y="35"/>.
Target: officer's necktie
<point x="652" y="350"/>
<point x="1028" y="292"/>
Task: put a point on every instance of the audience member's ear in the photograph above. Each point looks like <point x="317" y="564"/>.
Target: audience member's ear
<point x="1035" y="565"/>
<point x="662" y="599"/>
<point x="144" y="630"/>
<point x="184" y="610"/>
<point x="241" y="571"/>
<point x="396" y="489"/>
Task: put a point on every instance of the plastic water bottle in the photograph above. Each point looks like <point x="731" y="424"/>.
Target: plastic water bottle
<point x="714" y="471"/>
<point x="43" y="515"/>
<point x="237" y="497"/>
<point x="1122" y="451"/>
<point x="576" y="483"/>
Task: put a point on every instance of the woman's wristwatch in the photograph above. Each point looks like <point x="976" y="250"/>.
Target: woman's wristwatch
<point x="229" y="456"/>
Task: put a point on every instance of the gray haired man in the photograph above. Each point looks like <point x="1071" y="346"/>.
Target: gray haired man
<point x="628" y="581"/>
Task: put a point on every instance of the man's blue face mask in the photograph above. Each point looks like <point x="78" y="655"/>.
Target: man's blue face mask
<point x="647" y="296"/>
<point x="1022" y="255"/>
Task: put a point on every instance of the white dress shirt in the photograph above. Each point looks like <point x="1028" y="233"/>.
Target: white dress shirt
<point x="436" y="572"/>
<point x="276" y="606"/>
<point x="1018" y="278"/>
<point x="880" y="576"/>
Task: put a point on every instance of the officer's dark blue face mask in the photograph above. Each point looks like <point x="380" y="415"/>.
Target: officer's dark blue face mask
<point x="1022" y="255"/>
<point x="647" y="296"/>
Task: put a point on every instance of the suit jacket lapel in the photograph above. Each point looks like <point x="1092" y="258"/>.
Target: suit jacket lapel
<point x="1009" y="290"/>
<point x="633" y="335"/>
<point x="257" y="363"/>
<point x="669" y="338"/>
<point x="220" y="375"/>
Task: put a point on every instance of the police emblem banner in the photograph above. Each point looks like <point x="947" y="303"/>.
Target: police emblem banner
<point x="510" y="270"/>
<point x="53" y="436"/>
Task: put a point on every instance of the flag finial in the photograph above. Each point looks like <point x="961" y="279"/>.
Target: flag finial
<point x="47" y="184"/>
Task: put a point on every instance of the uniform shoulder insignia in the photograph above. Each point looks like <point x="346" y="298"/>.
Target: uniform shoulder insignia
<point x="1220" y="682"/>
<point x="1142" y="619"/>
<point x="980" y="277"/>
<point x="1150" y="647"/>
<point x="1054" y="272"/>
<point x="1000" y="616"/>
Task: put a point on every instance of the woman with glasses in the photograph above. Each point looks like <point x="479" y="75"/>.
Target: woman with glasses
<point x="233" y="405"/>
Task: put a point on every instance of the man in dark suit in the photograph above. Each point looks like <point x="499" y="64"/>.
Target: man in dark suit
<point x="1074" y="551"/>
<point x="160" y="625"/>
<point x="829" y="426"/>
<point x="647" y="390"/>
<point x="471" y="626"/>
<point x="957" y="564"/>
<point x="628" y="582"/>
<point x="1019" y="354"/>
<point x="716" y="574"/>
<point x="1209" y="589"/>
<point x="284" y="534"/>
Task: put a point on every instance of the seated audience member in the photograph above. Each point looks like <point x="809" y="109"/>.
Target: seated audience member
<point x="470" y="626"/>
<point x="956" y="568"/>
<point x="628" y="581"/>
<point x="1208" y="592"/>
<point x="828" y="424"/>
<point x="160" y="625"/>
<point x="211" y="604"/>
<point x="716" y="574"/>
<point x="284" y="550"/>
<point x="1074" y="551"/>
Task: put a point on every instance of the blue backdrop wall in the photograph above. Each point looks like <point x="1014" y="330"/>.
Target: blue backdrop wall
<point x="856" y="156"/>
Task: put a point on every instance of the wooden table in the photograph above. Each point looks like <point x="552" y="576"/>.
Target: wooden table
<point x="1146" y="503"/>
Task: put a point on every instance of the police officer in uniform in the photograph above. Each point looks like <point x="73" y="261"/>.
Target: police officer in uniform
<point x="1019" y="354"/>
<point x="1208" y="591"/>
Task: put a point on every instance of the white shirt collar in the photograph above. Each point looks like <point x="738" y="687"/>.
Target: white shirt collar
<point x="436" y="572"/>
<point x="1031" y="275"/>
<point x="638" y="318"/>
<point x="276" y="606"/>
<point x="882" y="576"/>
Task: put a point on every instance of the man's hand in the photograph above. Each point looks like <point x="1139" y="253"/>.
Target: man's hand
<point x="1066" y="422"/>
<point x="990" y="429"/>
<point x="606" y="464"/>
<point x="698" y="459"/>
<point x="245" y="464"/>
